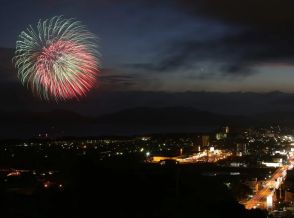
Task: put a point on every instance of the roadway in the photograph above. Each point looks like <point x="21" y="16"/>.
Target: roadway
<point x="260" y="198"/>
<point x="206" y="156"/>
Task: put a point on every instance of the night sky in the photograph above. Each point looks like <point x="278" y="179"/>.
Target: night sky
<point x="177" y="45"/>
<point x="170" y="46"/>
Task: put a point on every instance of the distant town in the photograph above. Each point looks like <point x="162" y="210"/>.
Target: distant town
<point x="254" y="165"/>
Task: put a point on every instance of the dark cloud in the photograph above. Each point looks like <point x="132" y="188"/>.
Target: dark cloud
<point x="269" y="14"/>
<point x="230" y="55"/>
<point x="115" y="82"/>
<point x="235" y="55"/>
<point x="258" y="33"/>
<point x="111" y="79"/>
<point x="265" y="35"/>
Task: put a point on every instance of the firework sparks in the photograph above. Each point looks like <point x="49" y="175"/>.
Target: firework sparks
<point x="58" y="60"/>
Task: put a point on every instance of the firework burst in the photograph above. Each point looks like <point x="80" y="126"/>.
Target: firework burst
<point x="58" y="59"/>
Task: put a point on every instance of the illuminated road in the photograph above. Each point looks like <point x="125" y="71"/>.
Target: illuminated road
<point x="206" y="156"/>
<point x="260" y="198"/>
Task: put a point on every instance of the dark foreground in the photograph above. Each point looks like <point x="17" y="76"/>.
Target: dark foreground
<point x="124" y="187"/>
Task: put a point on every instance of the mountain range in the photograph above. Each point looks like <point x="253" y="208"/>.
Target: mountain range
<point x="147" y="116"/>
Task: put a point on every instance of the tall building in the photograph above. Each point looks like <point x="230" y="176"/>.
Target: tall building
<point x="205" y="140"/>
<point x="202" y="141"/>
<point x="226" y="129"/>
<point x="222" y="133"/>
